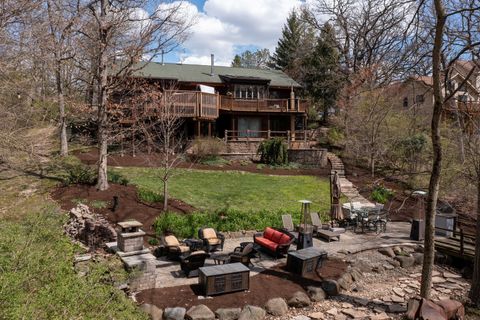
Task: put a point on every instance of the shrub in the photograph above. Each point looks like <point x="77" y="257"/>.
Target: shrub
<point x="117" y="178"/>
<point x="79" y="174"/>
<point x="381" y="194"/>
<point x="149" y="195"/>
<point x="273" y="151"/>
<point x="153" y="242"/>
<point x="187" y="225"/>
<point x="207" y="148"/>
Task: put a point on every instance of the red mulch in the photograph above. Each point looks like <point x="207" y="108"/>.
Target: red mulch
<point x="144" y="160"/>
<point x="130" y="207"/>
<point x="275" y="282"/>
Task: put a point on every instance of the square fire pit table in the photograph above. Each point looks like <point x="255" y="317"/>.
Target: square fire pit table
<point x="224" y="278"/>
<point x="305" y="261"/>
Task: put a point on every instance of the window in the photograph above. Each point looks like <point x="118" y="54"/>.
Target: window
<point x="462" y="98"/>
<point x="419" y="99"/>
<point x="251" y="92"/>
<point x="405" y="102"/>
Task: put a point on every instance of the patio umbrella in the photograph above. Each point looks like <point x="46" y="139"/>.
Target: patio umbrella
<point x="335" y="192"/>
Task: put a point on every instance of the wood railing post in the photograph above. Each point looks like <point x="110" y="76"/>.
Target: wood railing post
<point x="288" y="138"/>
<point x="462" y="247"/>
<point x="201" y="105"/>
<point x="226" y="136"/>
<point x="248" y="136"/>
<point x="304" y="136"/>
<point x="269" y="134"/>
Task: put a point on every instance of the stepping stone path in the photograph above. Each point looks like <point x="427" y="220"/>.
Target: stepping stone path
<point x="347" y="187"/>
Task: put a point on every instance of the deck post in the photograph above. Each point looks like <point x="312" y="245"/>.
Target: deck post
<point x="199" y="130"/>
<point x="268" y="134"/>
<point x="288" y="138"/>
<point x="292" y="126"/>
<point x="226" y="136"/>
<point x="248" y="136"/>
<point x="209" y="129"/>
<point x="462" y="247"/>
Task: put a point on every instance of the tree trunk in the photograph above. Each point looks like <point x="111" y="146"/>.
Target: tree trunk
<point x="102" y="179"/>
<point x="475" y="288"/>
<point x="61" y="109"/>
<point x="165" y="195"/>
<point x="433" y="188"/>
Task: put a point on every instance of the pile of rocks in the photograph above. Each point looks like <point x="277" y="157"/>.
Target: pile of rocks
<point x="404" y="257"/>
<point x="91" y="229"/>
<point x="446" y="309"/>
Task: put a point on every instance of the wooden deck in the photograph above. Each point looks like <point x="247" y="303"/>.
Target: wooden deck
<point x="460" y="245"/>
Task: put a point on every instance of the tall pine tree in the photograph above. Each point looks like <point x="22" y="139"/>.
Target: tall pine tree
<point x="323" y="79"/>
<point x="288" y="45"/>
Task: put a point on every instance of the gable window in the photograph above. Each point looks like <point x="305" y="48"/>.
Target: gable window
<point x="250" y="92"/>
<point x="420" y="99"/>
<point x="405" y="102"/>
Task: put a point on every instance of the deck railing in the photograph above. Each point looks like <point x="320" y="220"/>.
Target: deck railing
<point x="258" y="135"/>
<point x="264" y="105"/>
<point x="457" y="242"/>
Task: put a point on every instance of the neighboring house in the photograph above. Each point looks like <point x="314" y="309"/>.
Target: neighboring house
<point x="231" y="103"/>
<point x="415" y="94"/>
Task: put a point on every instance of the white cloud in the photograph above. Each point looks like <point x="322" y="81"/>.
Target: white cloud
<point x="223" y="26"/>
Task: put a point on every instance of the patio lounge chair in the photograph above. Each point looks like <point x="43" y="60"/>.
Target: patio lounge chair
<point x="174" y="247"/>
<point x="242" y="255"/>
<point x="288" y="225"/>
<point x="191" y="262"/>
<point x="212" y="239"/>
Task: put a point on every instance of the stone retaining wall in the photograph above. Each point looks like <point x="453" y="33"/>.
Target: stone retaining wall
<point x="314" y="157"/>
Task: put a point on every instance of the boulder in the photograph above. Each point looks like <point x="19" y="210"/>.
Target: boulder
<point x="418" y="258"/>
<point x="174" y="313"/>
<point x="380" y="316"/>
<point x="228" y="313"/>
<point x="276" y="307"/>
<point x="331" y="287"/>
<point x="397" y="250"/>
<point x="200" y="312"/>
<point x="453" y="309"/>
<point x="412" y="308"/>
<point x="252" y="313"/>
<point x="356" y="274"/>
<point x="299" y="300"/>
<point x="394" y="263"/>
<point x="316" y="294"/>
<point x="355" y="314"/>
<point x="430" y="311"/>
<point x="300" y="317"/>
<point x="405" y="262"/>
<point x="345" y="281"/>
<point x="396" y="308"/>
<point x="387" y="252"/>
<point x="153" y="311"/>
<point x="316" y="316"/>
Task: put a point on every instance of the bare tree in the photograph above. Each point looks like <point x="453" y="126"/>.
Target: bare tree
<point x="155" y="125"/>
<point x="121" y="34"/>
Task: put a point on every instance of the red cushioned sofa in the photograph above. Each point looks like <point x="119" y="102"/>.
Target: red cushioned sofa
<point x="274" y="240"/>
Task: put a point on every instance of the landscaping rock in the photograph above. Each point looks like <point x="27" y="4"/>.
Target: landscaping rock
<point x="453" y="309"/>
<point x="356" y="314"/>
<point x="380" y="316"/>
<point x="153" y="311"/>
<point x="379" y="269"/>
<point x="451" y="275"/>
<point x="412" y="308"/>
<point x="397" y="250"/>
<point x="388" y="266"/>
<point x="299" y="300"/>
<point x="394" y="263"/>
<point x="200" y="312"/>
<point x="438" y="280"/>
<point x="316" y="294"/>
<point x="174" y="313"/>
<point x="301" y="317"/>
<point x="399" y="292"/>
<point x="345" y="282"/>
<point x="252" y="313"/>
<point x="356" y="274"/>
<point x="418" y="257"/>
<point x="331" y="287"/>
<point x="429" y="310"/>
<point x="228" y="313"/>
<point x="316" y="316"/>
<point x="276" y="307"/>
<point x="387" y="252"/>
<point x="405" y="262"/>
<point x="397" y="308"/>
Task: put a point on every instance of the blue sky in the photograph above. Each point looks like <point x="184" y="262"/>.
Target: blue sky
<point x="227" y="27"/>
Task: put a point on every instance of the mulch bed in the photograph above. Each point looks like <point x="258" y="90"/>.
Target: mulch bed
<point x="144" y="160"/>
<point x="275" y="282"/>
<point x="130" y="206"/>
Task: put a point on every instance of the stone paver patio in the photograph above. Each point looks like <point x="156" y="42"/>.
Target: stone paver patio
<point x="168" y="273"/>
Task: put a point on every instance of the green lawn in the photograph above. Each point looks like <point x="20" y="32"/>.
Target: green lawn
<point x="218" y="190"/>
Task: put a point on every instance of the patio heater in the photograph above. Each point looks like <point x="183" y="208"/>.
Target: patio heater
<point x="306" y="228"/>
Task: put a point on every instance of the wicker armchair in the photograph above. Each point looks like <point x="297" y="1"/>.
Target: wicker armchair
<point x="242" y="255"/>
<point x="191" y="262"/>
<point x="212" y="240"/>
<point x="174" y="247"/>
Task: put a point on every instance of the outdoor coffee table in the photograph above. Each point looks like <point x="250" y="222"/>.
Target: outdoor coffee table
<point x="224" y="278"/>
<point x="194" y="244"/>
<point x="305" y="261"/>
<point x="220" y="258"/>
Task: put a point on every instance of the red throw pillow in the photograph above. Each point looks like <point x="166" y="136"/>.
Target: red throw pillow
<point x="285" y="239"/>
<point x="268" y="233"/>
<point x="277" y="235"/>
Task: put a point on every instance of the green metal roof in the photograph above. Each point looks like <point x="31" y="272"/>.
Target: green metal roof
<point x="201" y="73"/>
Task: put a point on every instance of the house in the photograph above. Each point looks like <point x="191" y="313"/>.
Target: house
<point x="231" y="103"/>
<point x="415" y="94"/>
